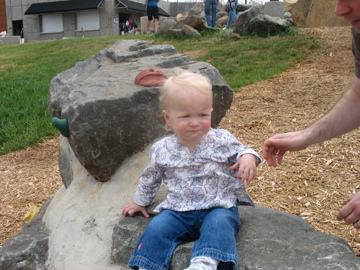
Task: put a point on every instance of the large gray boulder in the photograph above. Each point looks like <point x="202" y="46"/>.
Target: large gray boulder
<point x="185" y="31"/>
<point x="265" y="24"/>
<point x="193" y="21"/>
<point x="242" y="23"/>
<point x="253" y="21"/>
<point x="196" y="9"/>
<point x="109" y="116"/>
<point x="165" y="25"/>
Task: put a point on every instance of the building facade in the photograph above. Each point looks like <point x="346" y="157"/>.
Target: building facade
<point x="36" y="20"/>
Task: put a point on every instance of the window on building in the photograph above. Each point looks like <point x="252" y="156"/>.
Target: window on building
<point x="52" y="23"/>
<point x="88" y="20"/>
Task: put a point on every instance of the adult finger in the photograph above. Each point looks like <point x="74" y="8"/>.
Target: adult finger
<point x="280" y="156"/>
<point x="357" y="224"/>
<point x="350" y="198"/>
<point x="351" y="211"/>
<point x="273" y="157"/>
<point x="344" y="212"/>
<point x="265" y="150"/>
<point x="347" y="213"/>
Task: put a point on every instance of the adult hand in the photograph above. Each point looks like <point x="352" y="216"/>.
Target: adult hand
<point x="131" y="208"/>
<point x="351" y="212"/>
<point x="275" y="147"/>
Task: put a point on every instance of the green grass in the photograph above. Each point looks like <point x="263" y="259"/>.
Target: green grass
<point x="26" y="71"/>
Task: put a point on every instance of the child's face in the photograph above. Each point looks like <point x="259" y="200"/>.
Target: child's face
<point x="189" y="114"/>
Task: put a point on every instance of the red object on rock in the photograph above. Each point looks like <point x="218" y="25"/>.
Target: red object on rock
<point x="150" y="77"/>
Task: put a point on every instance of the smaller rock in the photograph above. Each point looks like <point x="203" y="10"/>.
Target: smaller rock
<point x="287" y="15"/>
<point x="196" y="9"/>
<point x="265" y="24"/>
<point x="243" y="7"/>
<point x="166" y="25"/>
<point x="221" y="14"/>
<point x="288" y="4"/>
<point x="29" y="248"/>
<point x="190" y="32"/>
<point x="222" y="21"/>
<point x="195" y="22"/>
<point x="179" y="33"/>
<point x="242" y="24"/>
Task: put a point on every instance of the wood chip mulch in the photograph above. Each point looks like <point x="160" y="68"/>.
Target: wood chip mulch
<point x="313" y="183"/>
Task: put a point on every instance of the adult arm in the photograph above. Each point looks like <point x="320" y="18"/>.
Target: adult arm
<point x="342" y="118"/>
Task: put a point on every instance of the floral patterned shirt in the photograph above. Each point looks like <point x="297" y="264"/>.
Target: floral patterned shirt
<point x="198" y="180"/>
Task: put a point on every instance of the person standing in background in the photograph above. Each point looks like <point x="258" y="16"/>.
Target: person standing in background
<point x="232" y="16"/>
<point x="213" y="4"/>
<point x="152" y="10"/>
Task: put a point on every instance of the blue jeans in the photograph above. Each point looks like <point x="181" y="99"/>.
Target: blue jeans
<point x="214" y="229"/>
<point x="213" y="5"/>
<point x="232" y="15"/>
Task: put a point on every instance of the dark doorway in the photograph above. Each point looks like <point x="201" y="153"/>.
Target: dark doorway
<point x="18" y="28"/>
<point x="123" y="17"/>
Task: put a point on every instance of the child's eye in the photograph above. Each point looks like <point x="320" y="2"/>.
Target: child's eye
<point x="203" y="115"/>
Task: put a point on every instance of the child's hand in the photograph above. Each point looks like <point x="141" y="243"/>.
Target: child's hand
<point x="131" y="208"/>
<point x="247" y="167"/>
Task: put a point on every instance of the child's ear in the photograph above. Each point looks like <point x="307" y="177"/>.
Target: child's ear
<point x="167" y="119"/>
<point x="212" y="109"/>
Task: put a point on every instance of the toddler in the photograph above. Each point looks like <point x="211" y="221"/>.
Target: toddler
<point x="205" y="171"/>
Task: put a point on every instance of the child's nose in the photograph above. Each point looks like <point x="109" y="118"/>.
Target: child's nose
<point x="194" y="122"/>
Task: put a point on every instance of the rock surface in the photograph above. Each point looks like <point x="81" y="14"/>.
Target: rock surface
<point x="268" y="239"/>
<point x="267" y="24"/>
<point x="109" y="116"/>
<point x="316" y="13"/>
<point x="253" y="21"/>
<point x="321" y="13"/>
<point x="288" y="4"/>
<point x="28" y="249"/>
<point x="242" y="24"/>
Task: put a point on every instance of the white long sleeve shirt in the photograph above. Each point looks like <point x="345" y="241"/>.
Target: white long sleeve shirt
<point x="198" y="180"/>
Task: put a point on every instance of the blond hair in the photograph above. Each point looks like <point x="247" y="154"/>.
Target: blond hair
<point x="186" y="81"/>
